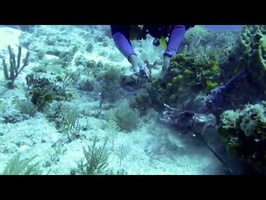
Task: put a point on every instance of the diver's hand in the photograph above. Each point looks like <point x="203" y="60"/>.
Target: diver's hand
<point x="137" y="64"/>
<point x="166" y="63"/>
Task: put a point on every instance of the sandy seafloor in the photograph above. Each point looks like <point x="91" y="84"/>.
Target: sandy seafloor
<point x="154" y="149"/>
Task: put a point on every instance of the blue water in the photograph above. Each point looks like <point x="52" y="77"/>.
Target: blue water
<point x="223" y="27"/>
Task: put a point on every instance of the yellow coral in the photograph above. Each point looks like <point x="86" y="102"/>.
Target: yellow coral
<point x="213" y="66"/>
<point x="174" y="64"/>
<point x="178" y="78"/>
<point x="210" y="85"/>
<point x="179" y="58"/>
<point x="187" y="72"/>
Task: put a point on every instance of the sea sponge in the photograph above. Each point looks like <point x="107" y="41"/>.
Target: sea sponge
<point x="253" y="43"/>
<point x="243" y="132"/>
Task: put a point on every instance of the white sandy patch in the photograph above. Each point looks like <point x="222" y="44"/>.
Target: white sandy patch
<point x="9" y="36"/>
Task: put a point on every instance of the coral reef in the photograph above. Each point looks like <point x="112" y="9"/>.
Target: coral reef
<point x="244" y="134"/>
<point x="253" y="40"/>
<point x="42" y="91"/>
<point x="15" y="68"/>
<point x="187" y="80"/>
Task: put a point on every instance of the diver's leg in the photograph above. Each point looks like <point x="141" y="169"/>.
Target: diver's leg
<point x="120" y="36"/>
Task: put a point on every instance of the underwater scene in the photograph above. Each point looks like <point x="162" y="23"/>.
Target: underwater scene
<point x="133" y="100"/>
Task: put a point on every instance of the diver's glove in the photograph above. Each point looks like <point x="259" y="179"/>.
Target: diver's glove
<point x="166" y="62"/>
<point x="142" y="72"/>
<point x="138" y="67"/>
<point x="135" y="62"/>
